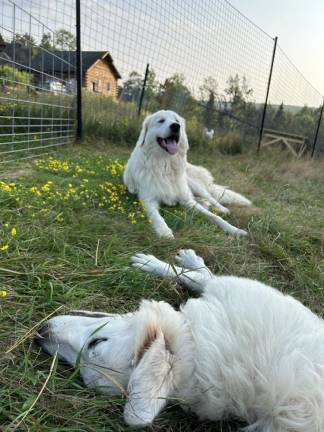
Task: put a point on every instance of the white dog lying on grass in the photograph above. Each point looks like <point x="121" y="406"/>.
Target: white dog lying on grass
<point x="241" y="350"/>
<point x="158" y="172"/>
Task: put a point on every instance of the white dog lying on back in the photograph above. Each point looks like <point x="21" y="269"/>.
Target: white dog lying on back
<point x="158" y="172"/>
<point x="241" y="350"/>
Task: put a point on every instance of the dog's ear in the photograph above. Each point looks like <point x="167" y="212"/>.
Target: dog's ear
<point x="151" y="382"/>
<point x="184" y="137"/>
<point x="142" y="137"/>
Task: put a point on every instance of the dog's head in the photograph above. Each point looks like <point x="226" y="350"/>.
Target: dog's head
<point x="164" y="133"/>
<point x="145" y="355"/>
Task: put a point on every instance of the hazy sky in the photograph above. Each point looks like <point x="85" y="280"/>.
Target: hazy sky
<point x="299" y="25"/>
<point x="197" y="38"/>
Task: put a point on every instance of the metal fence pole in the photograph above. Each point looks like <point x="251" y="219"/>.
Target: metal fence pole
<point x="78" y="71"/>
<point x="267" y="95"/>
<point x="143" y="90"/>
<point x="317" y="129"/>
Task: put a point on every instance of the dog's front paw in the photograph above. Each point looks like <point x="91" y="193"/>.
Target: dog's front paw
<point x="187" y="258"/>
<point x="221" y="209"/>
<point x="165" y="233"/>
<point x="224" y="210"/>
<point x="149" y="264"/>
<point x="240" y="233"/>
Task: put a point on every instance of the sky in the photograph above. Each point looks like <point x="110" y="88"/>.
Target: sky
<point x="299" y="25"/>
<point x="197" y="38"/>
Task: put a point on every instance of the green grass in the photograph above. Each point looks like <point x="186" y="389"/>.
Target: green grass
<point x="73" y="255"/>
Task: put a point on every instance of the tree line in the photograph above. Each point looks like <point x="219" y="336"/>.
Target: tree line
<point x="232" y="108"/>
<point x="59" y="40"/>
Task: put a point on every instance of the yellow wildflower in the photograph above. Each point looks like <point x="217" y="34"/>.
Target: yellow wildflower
<point x="13" y="232"/>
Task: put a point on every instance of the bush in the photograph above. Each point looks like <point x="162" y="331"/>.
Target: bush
<point x="12" y="74"/>
<point x="104" y="117"/>
<point x="231" y="143"/>
<point x="196" y="135"/>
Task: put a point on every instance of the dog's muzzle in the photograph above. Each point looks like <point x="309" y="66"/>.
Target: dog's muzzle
<point x="42" y="335"/>
<point x="169" y="144"/>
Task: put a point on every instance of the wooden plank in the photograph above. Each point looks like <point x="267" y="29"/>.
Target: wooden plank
<point x="273" y="141"/>
<point x="270" y="139"/>
<point x="285" y="134"/>
<point x="299" y="140"/>
<point x="286" y="141"/>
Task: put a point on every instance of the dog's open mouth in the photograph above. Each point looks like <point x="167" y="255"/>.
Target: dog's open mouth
<point x="169" y="144"/>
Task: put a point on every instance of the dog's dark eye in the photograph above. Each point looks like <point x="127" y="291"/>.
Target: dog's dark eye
<point x="95" y="342"/>
<point x="161" y="121"/>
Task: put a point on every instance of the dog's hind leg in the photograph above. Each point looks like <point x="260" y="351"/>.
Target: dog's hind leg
<point x="200" y="191"/>
<point x="193" y="279"/>
<point x="227" y="196"/>
<point x="227" y="227"/>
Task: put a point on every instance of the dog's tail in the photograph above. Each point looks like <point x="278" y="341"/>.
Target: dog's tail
<point x="227" y="196"/>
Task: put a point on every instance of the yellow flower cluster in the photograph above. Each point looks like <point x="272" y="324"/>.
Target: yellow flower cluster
<point x="7" y="187"/>
<point x="116" y="168"/>
<point x="73" y="185"/>
<point x="8" y="234"/>
<point x="53" y="165"/>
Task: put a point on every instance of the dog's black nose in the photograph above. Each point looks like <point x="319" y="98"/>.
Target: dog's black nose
<point x="175" y="127"/>
<point x="42" y="334"/>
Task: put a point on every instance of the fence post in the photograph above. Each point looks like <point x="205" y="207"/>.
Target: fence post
<point x="143" y="91"/>
<point x="78" y="71"/>
<point x="317" y="129"/>
<point x="267" y="94"/>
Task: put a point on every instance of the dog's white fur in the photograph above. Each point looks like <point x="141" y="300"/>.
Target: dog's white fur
<point x="242" y="349"/>
<point x="158" y="177"/>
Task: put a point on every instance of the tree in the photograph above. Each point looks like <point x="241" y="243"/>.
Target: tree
<point x="279" y="117"/>
<point x="241" y="107"/>
<point x="208" y="94"/>
<point x="238" y="90"/>
<point x="151" y="91"/>
<point x="174" y="94"/>
<point x="26" y="39"/>
<point x="209" y="86"/>
<point x="65" y="40"/>
<point x="305" y="121"/>
<point x="131" y="90"/>
<point x="47" y="41"/>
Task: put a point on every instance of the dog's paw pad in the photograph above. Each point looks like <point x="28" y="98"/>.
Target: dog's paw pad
<point x="188" y="259"/>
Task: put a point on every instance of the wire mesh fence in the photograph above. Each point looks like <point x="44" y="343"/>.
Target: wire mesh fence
<point x="37" y="89"/>
<point x="294" y="105"/>
<point x="206" y="61"/>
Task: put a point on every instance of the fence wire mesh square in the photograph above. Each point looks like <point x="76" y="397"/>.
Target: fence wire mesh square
<point x="37" y="89"/>
<point x="206" y="61"/>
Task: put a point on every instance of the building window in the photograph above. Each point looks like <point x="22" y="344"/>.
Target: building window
<point x="95" y="86"/>
<point x="108" y="86"/>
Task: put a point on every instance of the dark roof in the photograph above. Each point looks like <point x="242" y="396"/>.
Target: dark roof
<point x="4" y="58"/>
<point x="20" y="52"/>
<point x="2" y="43"/>
<point x="62" y="61"/>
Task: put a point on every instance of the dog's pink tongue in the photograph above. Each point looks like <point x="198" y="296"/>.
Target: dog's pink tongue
<point x="172" y="146"/>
